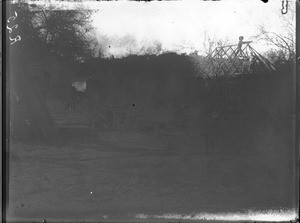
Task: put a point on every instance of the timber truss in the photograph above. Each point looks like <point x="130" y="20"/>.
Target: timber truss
<point x="231" y="60"/>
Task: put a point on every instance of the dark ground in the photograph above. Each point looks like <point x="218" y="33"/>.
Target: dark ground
<point x="216" y="163"/>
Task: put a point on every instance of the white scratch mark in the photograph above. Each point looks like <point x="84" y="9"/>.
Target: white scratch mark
<point x="269" y="215"/>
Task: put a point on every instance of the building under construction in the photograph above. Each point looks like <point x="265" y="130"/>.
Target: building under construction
<point x="231" y="60"/>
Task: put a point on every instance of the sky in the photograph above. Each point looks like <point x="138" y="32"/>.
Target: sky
<point x="182" y="26"/>
<point x="124" y="27"/>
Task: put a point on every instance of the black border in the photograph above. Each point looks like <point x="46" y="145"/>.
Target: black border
<point x="5" y="110"/>
<point x="5" y="154"/>
<point x="297" y="107"/>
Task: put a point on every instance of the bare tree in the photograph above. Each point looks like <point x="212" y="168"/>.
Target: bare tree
<point x="152" y="48"/>
<point x="208" y="44"/>
<point x="64" y="32"/>
<point x="50" y="38"/>
<point x="284" y="43"/>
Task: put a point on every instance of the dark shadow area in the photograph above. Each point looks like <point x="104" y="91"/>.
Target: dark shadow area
<point x="146" y="136"/>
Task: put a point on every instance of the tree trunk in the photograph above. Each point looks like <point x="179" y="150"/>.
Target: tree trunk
<point x="30" y="97"/>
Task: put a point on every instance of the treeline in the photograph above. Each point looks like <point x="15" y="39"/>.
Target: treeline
<point x="169" y="81"/>
<point x="150" y="80"/>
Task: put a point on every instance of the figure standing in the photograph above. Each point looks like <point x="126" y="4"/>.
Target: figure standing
<point x="239" y="52"/>
<point x="239" y="47"/>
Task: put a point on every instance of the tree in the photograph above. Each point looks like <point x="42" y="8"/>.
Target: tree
<point x="151" y="48"/>
<point x="283" y="43"/>
<point x="51" y="41"/>
<point x="210" y="43"/>
<point x="60" y="32"/>
<point x="64" y="32"/>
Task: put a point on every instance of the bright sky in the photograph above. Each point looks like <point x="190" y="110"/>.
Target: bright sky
<point x="183" y="24"/>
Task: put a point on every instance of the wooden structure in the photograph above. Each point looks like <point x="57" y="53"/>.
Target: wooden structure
<point x="231" y="60"/>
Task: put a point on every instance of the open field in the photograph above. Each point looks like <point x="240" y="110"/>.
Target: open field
<point x="237" y="165"/>
<point x="232" y="160"/>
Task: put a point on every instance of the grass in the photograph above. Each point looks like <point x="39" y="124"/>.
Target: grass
<point x="230" y="161"/>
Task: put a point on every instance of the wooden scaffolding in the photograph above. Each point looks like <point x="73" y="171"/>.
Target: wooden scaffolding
<point x="231" y="60"/>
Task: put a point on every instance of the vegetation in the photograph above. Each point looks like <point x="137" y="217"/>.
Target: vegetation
<point x="58" y="49"/>
<point x="283" y="44"/>
<point x="52" y="40"/>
